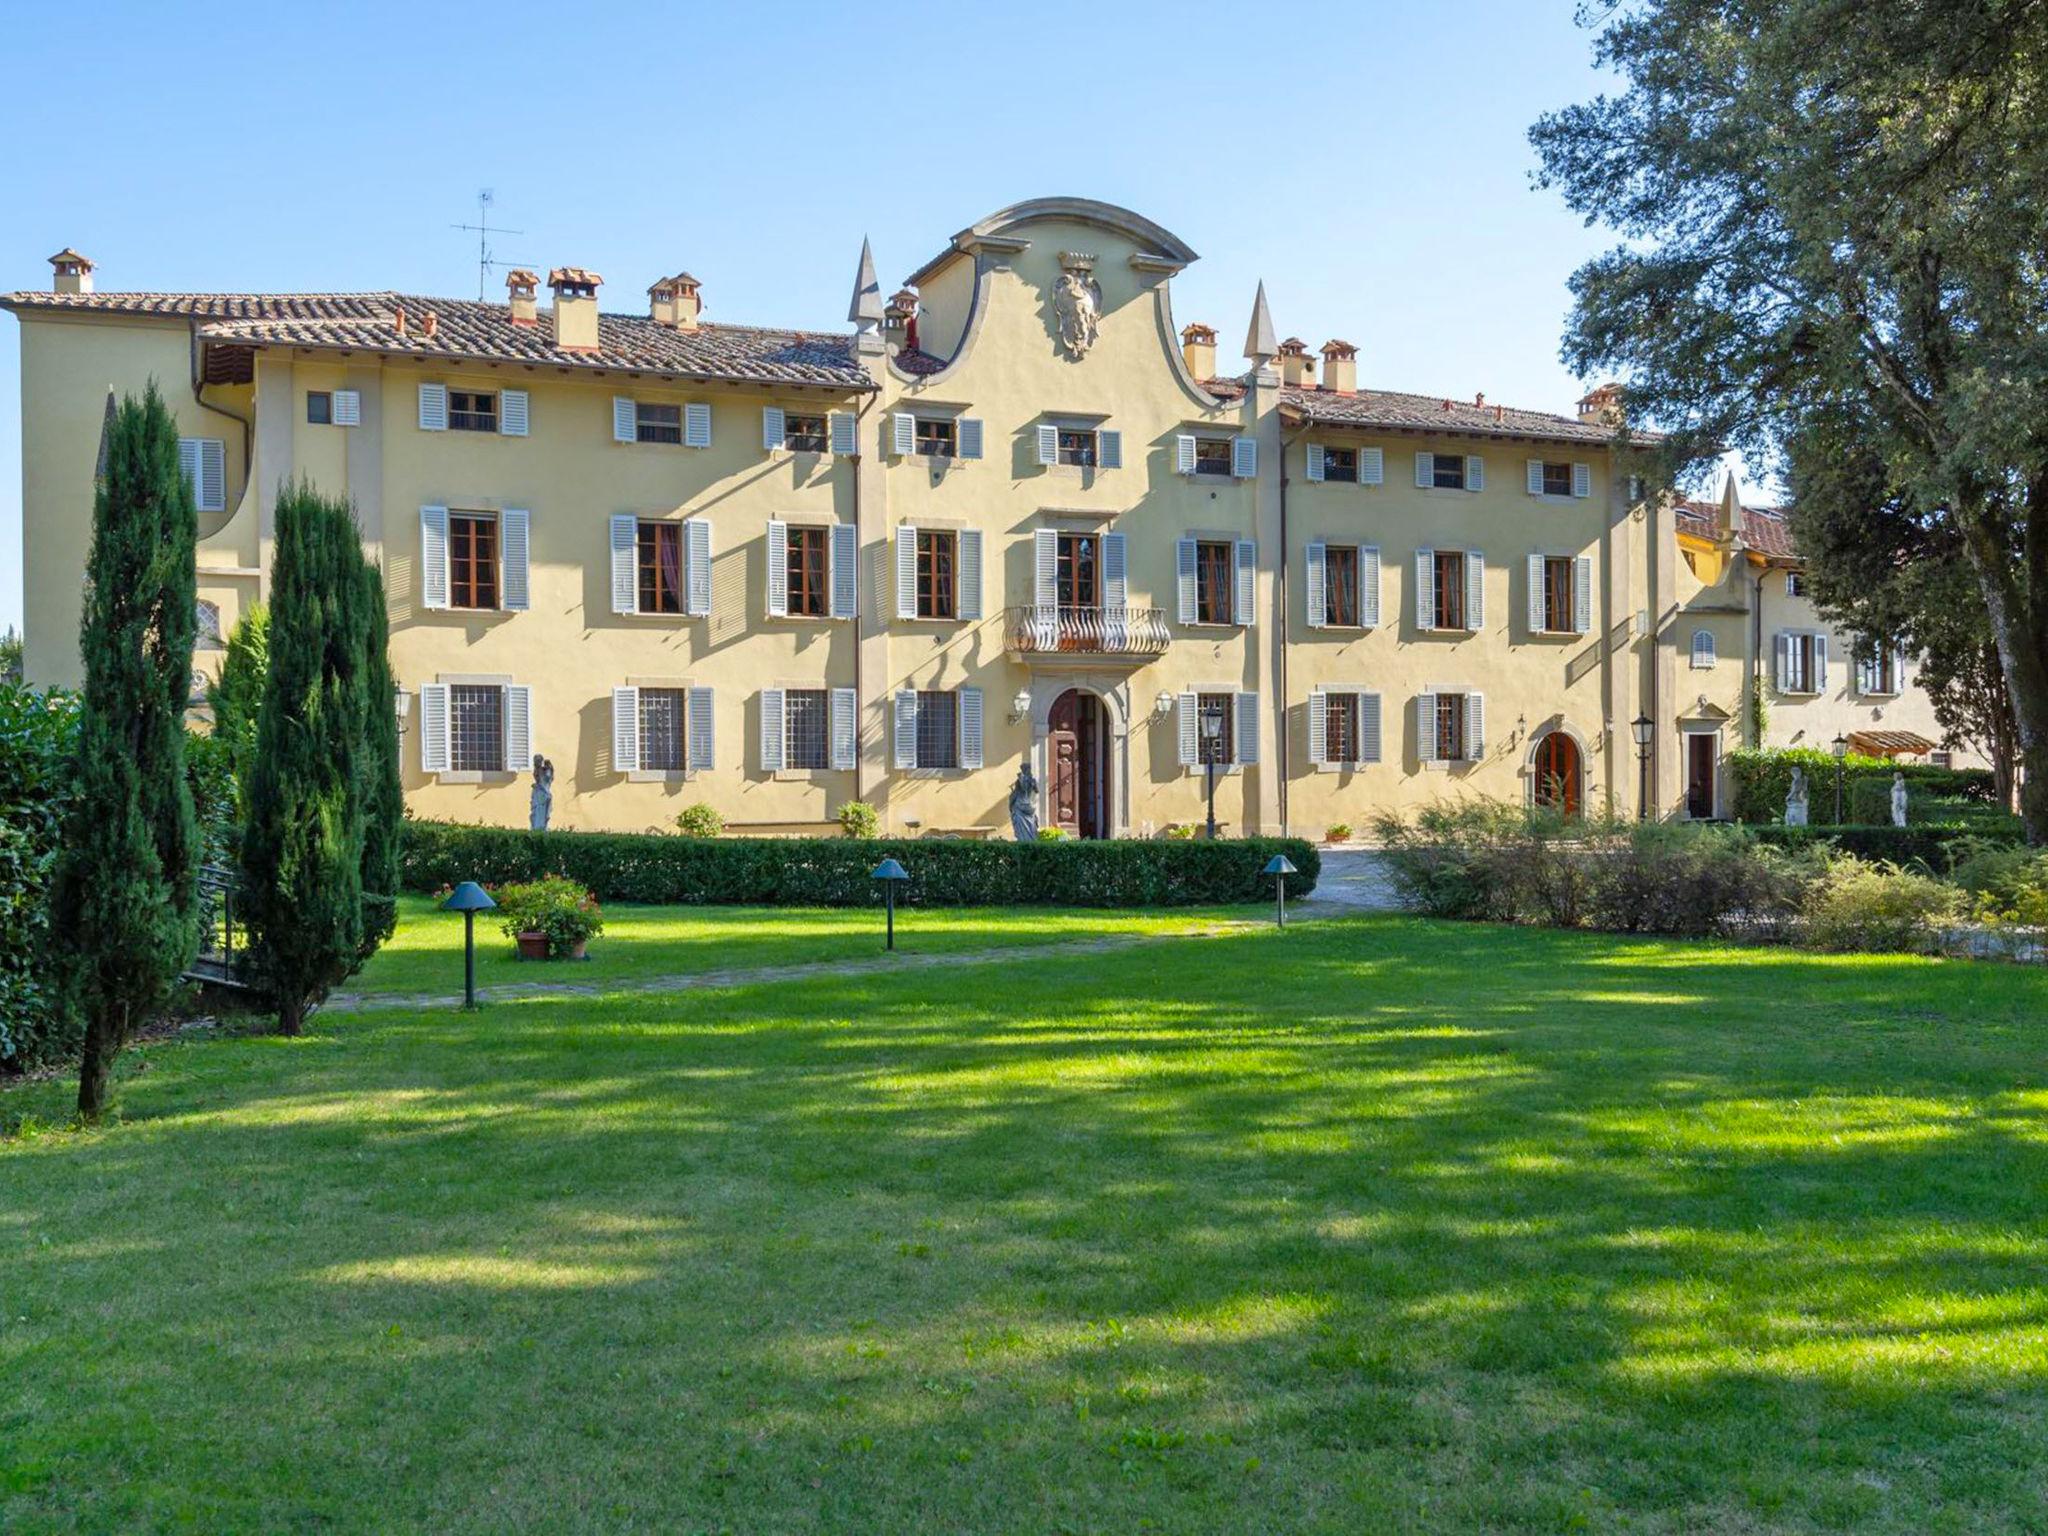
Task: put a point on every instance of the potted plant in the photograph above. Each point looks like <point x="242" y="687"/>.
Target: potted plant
<point x="552" y="918"/>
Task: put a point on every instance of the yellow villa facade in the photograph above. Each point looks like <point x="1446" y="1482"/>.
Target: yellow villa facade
<point x="1010" y="515"/>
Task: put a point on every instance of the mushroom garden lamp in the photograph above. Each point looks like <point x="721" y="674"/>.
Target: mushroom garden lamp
<point x="1279" y="869"/>
<point x="891" y="874"/>
<point x="468" y="898"/>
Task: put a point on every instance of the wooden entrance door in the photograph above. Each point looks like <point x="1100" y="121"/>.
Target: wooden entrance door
<point x="1074" y="741"/>
<point x="1699" y="775"/>
<point x="1560" y="774"/>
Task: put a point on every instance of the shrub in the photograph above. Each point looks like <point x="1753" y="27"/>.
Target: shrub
<point x="1455" y="860"/>
<point x="1337" y="832"/>
<point x="859" y="819"/>
<point x="1051" y="834"/>
<point x="700" y="820"/>
<point x="832" y="872"/>
<point x="38" y="735"/>
<point x="1758" y="782"/>
<point x="563" y="910"/>
<point x="1699" y="882"/>
<point x="210" y="769"/>
<point x="1863" y="906"/>
<point x="1925" y="843"/>
<point x="1182" y="832"/>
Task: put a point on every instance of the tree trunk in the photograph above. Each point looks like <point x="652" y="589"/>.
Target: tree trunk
<point x="2023" y="653"/>
<point x="291" y="1015"/>
<point x="96" y="1068"/>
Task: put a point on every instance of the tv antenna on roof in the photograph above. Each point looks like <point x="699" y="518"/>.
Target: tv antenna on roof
<point x="483" y="229"/>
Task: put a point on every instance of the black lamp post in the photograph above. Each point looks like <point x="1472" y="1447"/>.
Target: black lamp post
<point x="891" y="874"/>
<point x="1279" y="869"/>
<point x="468" y="898"/>
<point x="1212" y="746"/>
<point x="1841" y="746"/>
<point x="1642" y="725"/>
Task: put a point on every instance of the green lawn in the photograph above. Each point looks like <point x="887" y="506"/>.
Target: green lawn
<point x="1374" y="1225"/>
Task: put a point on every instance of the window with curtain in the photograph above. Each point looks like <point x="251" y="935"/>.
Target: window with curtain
<point x="661" y="567"/>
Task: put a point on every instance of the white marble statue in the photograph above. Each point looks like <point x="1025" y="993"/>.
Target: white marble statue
<point x="1795" y="799"/>
<point x="1898" y="799"/>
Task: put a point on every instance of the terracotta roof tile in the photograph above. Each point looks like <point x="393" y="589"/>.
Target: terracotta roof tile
<point x="1433" y="413"/>
<point x="1764" y="529"/>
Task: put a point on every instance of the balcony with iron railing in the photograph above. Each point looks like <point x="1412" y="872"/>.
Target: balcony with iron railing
<point x="1084" y="634"/>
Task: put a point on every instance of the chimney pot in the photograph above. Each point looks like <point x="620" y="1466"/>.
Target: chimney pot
<point x="521" y="286"/>
<point x="70" y="272"/>
<point x="1601" y="406"/>
<point x="899" y="317"/>
<point x="575" y="309"/>
<point x="1297" y="368"/>
<point x="676" y="302"/>
<point x="1198" y="350"/>
<point x="1340" y="366"/>
<point x="398" y="319"/>
<point x="431" y="324"/>
<point x="1479" y="399"/>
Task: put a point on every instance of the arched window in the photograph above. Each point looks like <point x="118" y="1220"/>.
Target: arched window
<point x="206" y="626"/>
<point x="1702" y="650"/>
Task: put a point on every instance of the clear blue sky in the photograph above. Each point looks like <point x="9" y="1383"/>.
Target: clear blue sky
<point x="1368" y="160"/>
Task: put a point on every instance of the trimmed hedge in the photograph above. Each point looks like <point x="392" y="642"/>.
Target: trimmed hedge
<point x="834" y="872"/>
<point x="1928" y="843"/>
<point x="1759" y="781"/>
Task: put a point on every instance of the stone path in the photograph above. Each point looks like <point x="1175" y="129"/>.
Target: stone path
<point x="1353" y="880"/>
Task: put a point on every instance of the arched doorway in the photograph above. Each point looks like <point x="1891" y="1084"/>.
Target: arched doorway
<point x="1077" y="749"/>
<point x="1560" y="771"/>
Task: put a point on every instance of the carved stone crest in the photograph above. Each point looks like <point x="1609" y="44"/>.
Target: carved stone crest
<point x="1077" y="302"/>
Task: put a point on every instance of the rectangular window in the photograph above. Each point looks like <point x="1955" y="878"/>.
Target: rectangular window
<point x="809" y="570"/>
<point x="472" y="560"/>
<point x="1801" y="675"/>
<point x="1941" y="759"/>
<point x="1557" y="479"/>
<point x="476" y="728"/>
<point x="806" y="728"/>
<point x="1077" y="446"/>
<point x="661" y="730"/>
<point x="804" y="434"/>
<point x="1884" y="671"/>
<point x="1340" y="586"/>
<point x="1450" y="590"/>
<point x="1215" y="582"/>
<point x="1340" y="728"/>
<point x="1795" y="583"/>
<point x="1341" y="464"/>
<point x="1557" y="594"/>
<point x="937" y="437"/>
<point x="937" y="582"/>
<point x="1212" y="456"/>
<point x="319" y="408"/>
<point x="472" y="410"/>
<point x="661" y="567"/>
<point x="1447" y="472"/>
<point x="938" y="740"/>
<point x="1078" y="574"/>
<point x="1450" y="727"/>
<point x="1215" y="723"/>
<point x="656" y="423"/>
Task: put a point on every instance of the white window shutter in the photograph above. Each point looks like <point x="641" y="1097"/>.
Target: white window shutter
<point x="969" y="435"/>
<point x="778" y="569"/>
<point x="625" y="563"/>
<point x="1425" y="470"/>
<point x="906" y="728"/>
<point x="625" y="420"/>
<point x="518" y="728"/>
<point x="1184" y="575"/>
<point x="1247" y="742"/>
<point x="845" y="570"/>
<point x="625" y="730"/>
<point x="1315" y="472"/>
<point x="433" y="407"/>
<point x="514" y="539"/>
<point x="1109" y="449"/>
<point x="1536" y="610"/>
<point x="1475" y="727"/>
<point x="1703" y="649"/>
<point x="1820" y="663"/>
<point x="1368" y="727"/>
<point x="703" y="740"/>
<point x="906" y="571"/>
<point x="1582" y="595"/>
<point x="348" y="408"/>
<point x="1318" y="726"/>
<point x="697" y="425"/>
<point x="969" y="574"/>
<point x="1535" y="477"/>
<point x="1425" y="728"/>
<point x="1866" y="674"/>
<point x="1582" y="479"/>
<point x="1369" y="585"/>
<point x="1246" y="596"/>
<point x="1187" y="717"/>
<point x="1372" y="466"/>
<point x="1045" y="555"/>
<point x="434" y="728"/>
<point x="903" y="434"/>
<point x="1244" y="457"/>
<point x="1475" y="590"/>
<point x="1783" y="643"/>
<point x="513" y="411"/>
<point x="1318" y="594"/>
<point x="772" y="434"/>
<point x="1425" y="589"/>
<point x="845" y="728"/>
<point x="1116" y="587"/>
<point x="970" y="727"/>
<point x="1048" y="444"/>
<point x="1898" y="669"/>
<point x="845" y="429"/>
<point x="1475" y="472"/>
<point x="433" y="557"/>
<point x="772" y="747"/>
<point x="1184" y="453"/>
<point x="697" y="567"/>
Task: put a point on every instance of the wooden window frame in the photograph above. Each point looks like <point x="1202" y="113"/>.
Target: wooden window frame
<point x="1450" y="590"/>
<point x="475" y="551"/>
<point x="1341" y="607"/>
<point x="463" y="697"/>
<point x="1224" y="752"/>
<point x="319" y="407"/>
<point x="1077" y="572"/>
<point x="938" y="573"/>
<point x="1079" y="447"/>
<point x="1557" y="478"/>
<point x="1451" y="714"/>
<point x="674" y="743"/>
<point x="473" y="417"/>
<point x="798" y="436"/>
<point x="653" y="594"/>
<point x="1213" y="456"/>
<point x="808" y="557"/>
<point x="650" y="425"/>
<point x="1341" y="465"/>
<point x="1560" y="581"/>
<point x="1795" y="583"/>
<point x="1447" y="473"/>
<point x="814" y="699"/>
<point x="1215" y="581"/>
<point x="937" y="437"/>
<point x="937" y="719"/>
<point x="1340" y="727"/>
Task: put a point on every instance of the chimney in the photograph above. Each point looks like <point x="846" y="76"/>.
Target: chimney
<point x="520" y="288"/>
<point x="1601" y="406"/>
<point x="899" y="318"/>
<point x="1297" y="369"/>
<point x="430" y="325"/>
<point x="1340" y="366"/>
<point x="674" y="302"/>
<point x="71" y="272"/>
<point x="398" y="319"/>
<point x="575" y="311"/>
<point x="1198" y="349"/>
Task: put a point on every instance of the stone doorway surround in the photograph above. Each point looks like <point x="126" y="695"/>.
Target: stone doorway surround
<point x="1046" y="687"/>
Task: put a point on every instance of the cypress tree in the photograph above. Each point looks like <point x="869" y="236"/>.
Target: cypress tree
<point x="237" y="696"/>
<point x="381" y="792"/>
<point x="124" y="909"/>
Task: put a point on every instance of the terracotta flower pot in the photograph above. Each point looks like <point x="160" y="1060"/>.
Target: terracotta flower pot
<point x="577" y="950"/>
<point x="533" y="946"/>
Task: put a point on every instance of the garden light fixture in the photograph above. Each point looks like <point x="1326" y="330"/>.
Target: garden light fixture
<point x="891" y="874"/>
<point x="1643" y="726"/>
<point x="468" y="898"/>
<point x="1279" y="869"/>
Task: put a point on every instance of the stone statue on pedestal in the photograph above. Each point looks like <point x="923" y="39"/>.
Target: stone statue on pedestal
<point x="1795" y="799"/>
<point x="1024" y="805"/>
<point x="1898" y="799"/>
<point x="542" y="804"/>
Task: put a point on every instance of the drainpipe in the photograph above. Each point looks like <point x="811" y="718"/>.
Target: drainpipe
<point x="1756" y="666"/>
<point x="860" y="701"/>
<point x="1281" y="743"/>
<point x="247" y="423"/>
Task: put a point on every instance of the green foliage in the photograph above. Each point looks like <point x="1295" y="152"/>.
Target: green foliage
<point x="1856" y="905"/>
<point x="1051" y="834"/>
<point x="237" y="694"/>
<point x="833" y="872"/>
<point x="10" y="655"/>
<point x="378" y="788"/>
<point x="700" y="820"/>
<point x="1182" y="832"/>
<point x="1758" y="782"/>
<point x="124" y="908"/>
<point x="563" y="910"/>
<point x="38" y="747"/>
<point x="859" y="819"/>
<point x="1925" y="843"/>
<point x="216" y="797"/>
<point x="1337" y="832"/>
